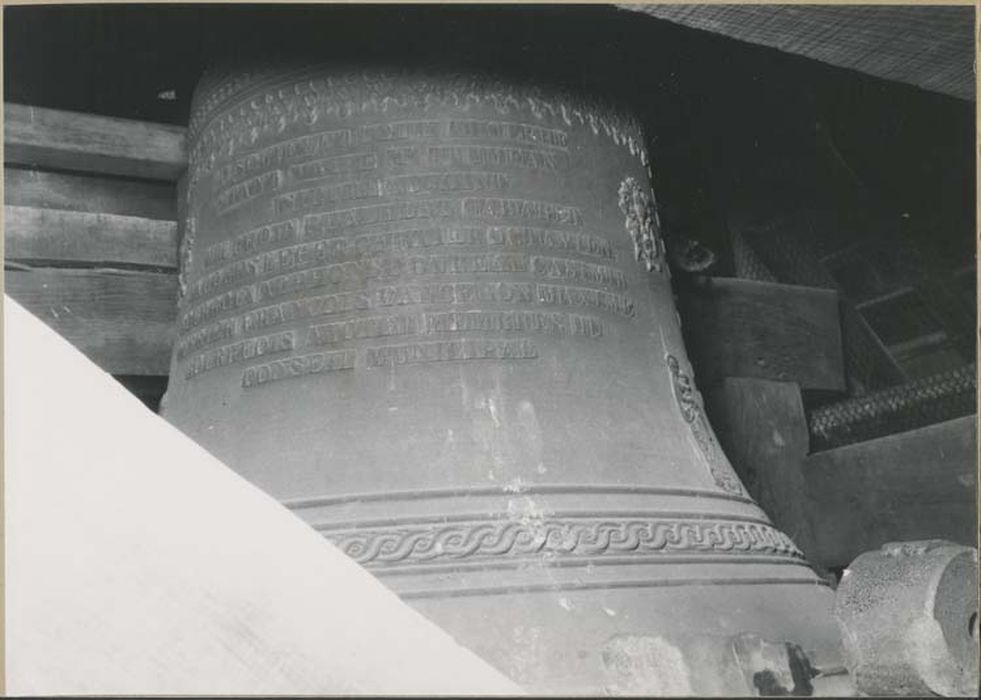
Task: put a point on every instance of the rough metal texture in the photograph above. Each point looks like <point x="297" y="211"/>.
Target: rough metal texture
<point x="930" y="47"/>
<point x="909" y="406"/>
<point x="432" y="314"/>
<point x="908" y="615"/>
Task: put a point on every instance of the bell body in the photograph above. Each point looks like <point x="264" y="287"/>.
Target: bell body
<point x="431" y="314"/>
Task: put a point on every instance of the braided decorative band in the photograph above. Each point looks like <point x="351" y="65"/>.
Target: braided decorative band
<point x="560" y="538"/>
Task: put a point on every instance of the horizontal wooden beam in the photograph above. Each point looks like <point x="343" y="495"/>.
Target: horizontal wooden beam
<point x="744" y="328"/>
<point x="52" y="235"/>
<point x="54" y="138"/>
<point x="731" y="328"/>
<point x="916" y="485"/>
<point x="123" y="321"/>
<point x="74" y="192"/>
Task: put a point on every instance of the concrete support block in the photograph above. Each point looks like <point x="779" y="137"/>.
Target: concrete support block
<point x="909" y="619"/>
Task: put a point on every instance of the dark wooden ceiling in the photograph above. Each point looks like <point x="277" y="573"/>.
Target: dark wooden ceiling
<point x="930" y="46"/>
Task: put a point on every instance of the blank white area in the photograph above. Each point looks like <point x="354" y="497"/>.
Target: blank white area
<point x="139" y="564"/>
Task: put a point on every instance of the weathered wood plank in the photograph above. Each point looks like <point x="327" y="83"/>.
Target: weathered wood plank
<point x="123" y="321"/>
<point x="69" y="236"/>
<point x="745" y="328"/>
<point x="55" y="138"/>
<point x="49" y="190"/>
<point x="788" y="248"/>
<point x="916" y="485"/>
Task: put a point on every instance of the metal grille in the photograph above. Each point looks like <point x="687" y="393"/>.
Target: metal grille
<point x="923" y="402"/>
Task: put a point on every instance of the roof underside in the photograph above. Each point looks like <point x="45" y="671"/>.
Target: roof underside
<point x="931" y="47"/>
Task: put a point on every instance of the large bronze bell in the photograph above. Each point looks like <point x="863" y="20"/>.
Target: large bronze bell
<point x="432" y="315"/>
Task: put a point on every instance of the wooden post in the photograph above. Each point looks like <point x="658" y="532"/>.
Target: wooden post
<point x="761" y="426"/>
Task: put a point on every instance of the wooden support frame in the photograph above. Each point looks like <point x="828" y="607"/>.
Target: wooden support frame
<point x="38" y="236"/>
<point x="920" y="484"/>
<point x="836" y="504"/>
<point x="83" y="192"/>
<point x="54" y="138"/>
<point x="124" y="321"/>
<point x="90" y="232"/>
<point x="745" y="328"/>
<point x="784" y="247"/>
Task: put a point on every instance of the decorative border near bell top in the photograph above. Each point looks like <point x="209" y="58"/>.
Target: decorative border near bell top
<point x="231" y="125"/>
<point x="689" y="401"/>
<point x="579" y="537"/>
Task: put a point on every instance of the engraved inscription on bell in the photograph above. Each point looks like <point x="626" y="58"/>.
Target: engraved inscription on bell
<point x="432" y="315"/>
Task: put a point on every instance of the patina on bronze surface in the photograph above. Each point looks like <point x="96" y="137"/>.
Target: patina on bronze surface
<point x="432" y="314"/>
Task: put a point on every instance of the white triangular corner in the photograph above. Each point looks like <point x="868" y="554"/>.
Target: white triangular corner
<point x="137" y="563"/>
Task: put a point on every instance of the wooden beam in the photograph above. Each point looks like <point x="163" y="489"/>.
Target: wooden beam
<point x="787" y="247"/>
<point x="123" y="321"/>
<point x="63" y="140"/>
<point x="763" y="430"/>
<point x="82" y="237"/>
<point x="917" y="485"/>
<point x="107" y="195"/>
<point x="745" y="328"/>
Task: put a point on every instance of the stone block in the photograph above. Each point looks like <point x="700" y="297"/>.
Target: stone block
<point x="908" y="616"/>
